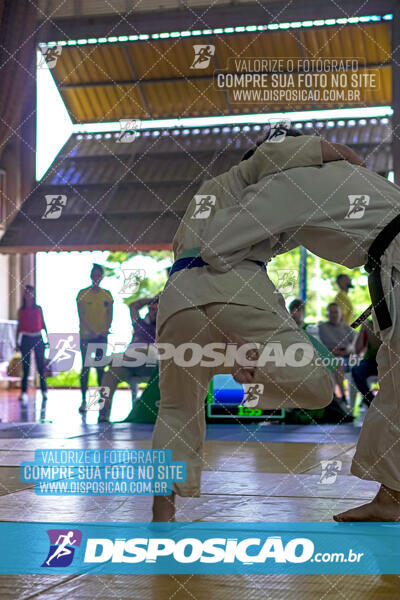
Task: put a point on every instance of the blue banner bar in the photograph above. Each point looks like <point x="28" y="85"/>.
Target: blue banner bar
<point x="212" y="548"/>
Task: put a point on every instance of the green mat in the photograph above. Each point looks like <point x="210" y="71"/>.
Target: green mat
<point x="145" y="408"/>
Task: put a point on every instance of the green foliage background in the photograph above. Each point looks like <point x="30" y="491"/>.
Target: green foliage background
<point x="359" y="295"/>
<point x="148" y="287"/>
<point x="291" y="260"/>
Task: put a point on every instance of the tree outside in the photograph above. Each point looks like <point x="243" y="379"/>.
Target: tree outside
<point x="321" y="283"/>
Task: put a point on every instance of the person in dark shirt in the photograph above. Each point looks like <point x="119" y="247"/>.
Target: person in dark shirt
<point x="366" y="340"/>
<point x="144" y="332"/>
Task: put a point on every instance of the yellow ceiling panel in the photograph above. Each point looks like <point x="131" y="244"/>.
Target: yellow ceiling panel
<point x="369" y="41"/>
<point x="156" y="78"/>
<point x="184" y="99"/>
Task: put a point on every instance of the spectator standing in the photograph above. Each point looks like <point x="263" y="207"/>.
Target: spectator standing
<point x="30" y="326"/>
<point x="342" y="298"/>
<point x="95" y="309"/>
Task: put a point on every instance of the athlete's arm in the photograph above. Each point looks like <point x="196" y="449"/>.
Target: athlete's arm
<point x="293" y="152"/>
<point x="274" y="157"/>
<point x="232" y="232"/>
<point x="332" y="152"/>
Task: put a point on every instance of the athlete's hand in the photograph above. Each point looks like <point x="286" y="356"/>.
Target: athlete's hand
<point x="332" y="151"/>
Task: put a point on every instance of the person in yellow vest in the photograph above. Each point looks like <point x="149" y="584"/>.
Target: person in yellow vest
<point x="342" y="298"/>
<point x="95" y="309"/>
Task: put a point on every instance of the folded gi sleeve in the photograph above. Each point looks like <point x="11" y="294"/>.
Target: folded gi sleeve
<point x="273" y="157"/>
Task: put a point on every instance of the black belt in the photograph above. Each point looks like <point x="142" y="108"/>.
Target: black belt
<point x="190" y="262"/>
<point x="373" y="267"/>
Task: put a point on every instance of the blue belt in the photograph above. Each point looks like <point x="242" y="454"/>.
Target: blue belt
<point x="190" y="262"/>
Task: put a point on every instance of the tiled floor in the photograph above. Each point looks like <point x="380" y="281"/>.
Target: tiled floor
<point x="252" y="473"/>
<point x="61" y="407"/>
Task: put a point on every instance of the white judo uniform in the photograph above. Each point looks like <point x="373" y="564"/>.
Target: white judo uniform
<point x="266" y="205"/>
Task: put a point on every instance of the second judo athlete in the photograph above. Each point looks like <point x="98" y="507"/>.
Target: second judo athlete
<point x="301" y="191"/>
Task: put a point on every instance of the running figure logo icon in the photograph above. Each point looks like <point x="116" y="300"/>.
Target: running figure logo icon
<point x="132" y="281"/>
<point x="54" y="206"/>
<point x="49" y="56"/>
<point x="204" y="205"/>
<point x="203" y="54"/>
<point x="358" y="204"/>
<point x="63" y="349"/>
<point x="330" y="471"/>
<point x="252" y="393"/>
<point x="129" y="130"/>
<point x="277" y="130"/>
<point x="97" y="397"/>
<point x="63" y="543"/>
<point x="287" y="279"/>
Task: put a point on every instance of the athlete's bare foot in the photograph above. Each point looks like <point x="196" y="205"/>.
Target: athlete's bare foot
<point x="384" y="507"/>
<point x="164" y="509"/>
<point x="243" y="373"/>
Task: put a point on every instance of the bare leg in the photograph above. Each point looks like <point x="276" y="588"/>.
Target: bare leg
<point x="384" y="507"/>
<point x="164" y="509"/>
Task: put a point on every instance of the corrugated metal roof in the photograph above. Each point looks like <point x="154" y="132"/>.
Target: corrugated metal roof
<point x="72" y="8"/>
<point x="126" y="196"/>
<point x="154" y="79"/>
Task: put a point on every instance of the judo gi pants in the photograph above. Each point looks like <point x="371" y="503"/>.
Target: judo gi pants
<point x="378" y="450"/>
<point x="180" y="424"/>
